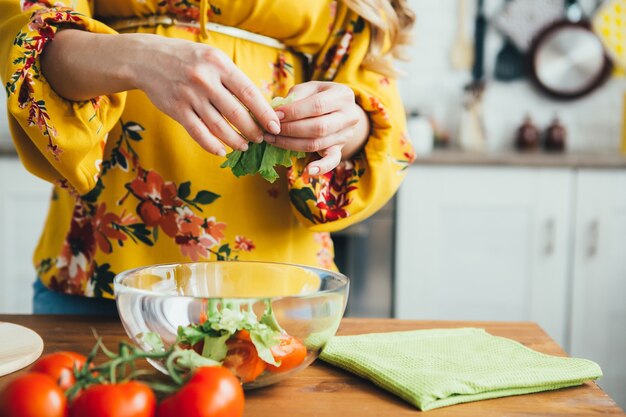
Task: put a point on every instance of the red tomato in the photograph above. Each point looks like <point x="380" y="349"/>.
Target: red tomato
<point x="166" y="407"/>
<point x="211" y="392"/>
<point x="60" y="367"/>
<point x="129" y="399"/>
<point x="33" y="395"/>
<point x="290" y="353"/>
<point x="242" y="358"/>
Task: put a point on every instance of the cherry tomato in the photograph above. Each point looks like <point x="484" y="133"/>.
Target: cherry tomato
<point x="60" y="367"/>
<point x="210" y="392"/>
<point x="290" y="353"/>
<point x="242" y="358"/>
<point x="129" y="399"/>
<point x="33" y="395"/>
<point x="166" y="407"/>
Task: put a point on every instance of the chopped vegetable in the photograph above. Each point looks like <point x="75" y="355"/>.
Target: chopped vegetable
<point x="233" y="336"/>
<point x="289" y="353"/>
<point x="242" y="358"/>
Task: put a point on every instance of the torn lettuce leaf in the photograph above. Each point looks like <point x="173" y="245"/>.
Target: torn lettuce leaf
<point x="225" y="323"/>
<point x="190" y="359"/>
<point x="215" y="347"/>
<point x="262" y="158"/>
<point x="153" y="340"/>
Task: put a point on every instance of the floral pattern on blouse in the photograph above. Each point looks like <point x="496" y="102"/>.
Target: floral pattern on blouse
<point x="162" y="207"/>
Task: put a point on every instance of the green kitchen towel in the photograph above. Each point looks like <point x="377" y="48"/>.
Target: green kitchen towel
<point x="437" y="368"/>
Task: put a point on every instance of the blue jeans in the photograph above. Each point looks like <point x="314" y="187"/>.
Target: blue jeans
<point x="51" y="302"/>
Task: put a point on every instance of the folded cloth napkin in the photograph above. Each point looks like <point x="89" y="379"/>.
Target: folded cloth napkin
<point x="437" y="368"/>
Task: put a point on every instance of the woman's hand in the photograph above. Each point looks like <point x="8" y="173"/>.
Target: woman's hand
<point x="324" y="119"/>
<point x="200" y="87"/>
<point x="195" y="84"/>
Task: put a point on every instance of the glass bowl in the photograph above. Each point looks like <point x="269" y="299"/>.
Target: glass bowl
<point x="219" y="310"/>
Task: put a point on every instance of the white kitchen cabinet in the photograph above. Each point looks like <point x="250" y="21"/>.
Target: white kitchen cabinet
<point x="598" y="325"/>
<point x="484" y="243"/>
<point x="23" y="207"/>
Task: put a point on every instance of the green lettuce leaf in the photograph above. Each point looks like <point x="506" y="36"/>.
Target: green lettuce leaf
<point x="190" y="359"/>
<point x="191" y="335"/>
<point x="262" y="157"/>
<point x="223" y="324"/>
<point x="264" y="339"/>
<point x="215" y="347"/>
<point x="153" y="340"/>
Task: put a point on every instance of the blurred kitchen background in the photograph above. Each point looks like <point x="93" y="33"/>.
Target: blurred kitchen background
<point x="515" y="208"/>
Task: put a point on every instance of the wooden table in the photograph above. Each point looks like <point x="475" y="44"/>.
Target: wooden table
<point x="321" y="390"/>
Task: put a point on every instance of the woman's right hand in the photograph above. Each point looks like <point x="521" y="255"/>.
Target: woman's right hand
<point x="197" y="85"/>
<point x="200" y="87"/>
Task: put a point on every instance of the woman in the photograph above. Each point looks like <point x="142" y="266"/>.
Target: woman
<point x="129" y="108"/>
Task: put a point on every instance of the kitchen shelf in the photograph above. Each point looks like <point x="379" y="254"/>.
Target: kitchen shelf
<point x="592" y="160"/>
<point x="596" y="160"/>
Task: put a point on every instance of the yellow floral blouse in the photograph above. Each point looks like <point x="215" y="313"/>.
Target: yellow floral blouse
<point x="131" y="187"/>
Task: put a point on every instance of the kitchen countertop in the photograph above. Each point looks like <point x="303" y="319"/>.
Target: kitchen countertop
<point x="447" y="157"/>
<point x="321" y="390"/>
<point x="598" y="160"/>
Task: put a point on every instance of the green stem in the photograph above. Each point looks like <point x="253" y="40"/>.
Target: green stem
<point x="171" y="367"/>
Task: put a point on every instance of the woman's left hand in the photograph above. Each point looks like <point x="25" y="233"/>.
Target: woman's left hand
<point x="324" y="119"/>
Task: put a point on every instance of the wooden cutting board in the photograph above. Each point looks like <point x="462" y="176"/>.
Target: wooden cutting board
<point x="19" y="347"/>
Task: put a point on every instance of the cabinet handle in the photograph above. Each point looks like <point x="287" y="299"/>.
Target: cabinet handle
<point x="594" y="235"/>
<point x="550" y="237"/>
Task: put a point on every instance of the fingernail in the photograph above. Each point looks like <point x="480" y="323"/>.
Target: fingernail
<point x="280" y="115"/>
<point x="273" y="127"/>
<point x="244" y="147"/>
<point x="269" y="138"/>
<point x="221" y="152"/>
<point x="314" y="170"/>
<point x="259" y="139"/>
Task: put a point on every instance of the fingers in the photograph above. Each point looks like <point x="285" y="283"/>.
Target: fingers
<point x="310" y="144"/>
<point x="253" y="100"/>
<point x="236" y="114"/>
<point x="331" y="157"/>
<point x="319" y="126"/>
<point x="219" y="127"/>
<point x="200" y="133"/>
<point x="326" y="99"/>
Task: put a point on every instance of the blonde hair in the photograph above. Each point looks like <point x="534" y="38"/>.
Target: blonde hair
<point x="392" y="18"/>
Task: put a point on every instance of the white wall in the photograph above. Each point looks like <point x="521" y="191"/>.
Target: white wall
<point x="433" y="87"/>
<point x="5" y="139"/>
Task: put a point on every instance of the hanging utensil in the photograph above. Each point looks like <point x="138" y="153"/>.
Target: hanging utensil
<point x="521" y="20"/>
<point x="480" y="31"/>
<point x="509" y="61"/>
<point x="462" y="53"/>
<point x="472" y="130"/>
<point x="567" y="60"/>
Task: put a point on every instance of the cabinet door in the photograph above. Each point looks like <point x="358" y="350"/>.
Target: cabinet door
<point x="484" y="244"/>
<point x="23" y="208"/>
<point x="599" y="295"/>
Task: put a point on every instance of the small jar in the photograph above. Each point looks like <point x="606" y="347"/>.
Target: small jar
<point x="555" y="137"/>
<point x="421" y="134"/>
<point x="528" y="136"/>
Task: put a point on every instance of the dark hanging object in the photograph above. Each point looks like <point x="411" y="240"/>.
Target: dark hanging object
<point x="510" y="62"/>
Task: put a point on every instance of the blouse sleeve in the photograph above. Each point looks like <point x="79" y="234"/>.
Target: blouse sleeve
<point x="357" y="188"/>
<point x="59" y="140"/>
